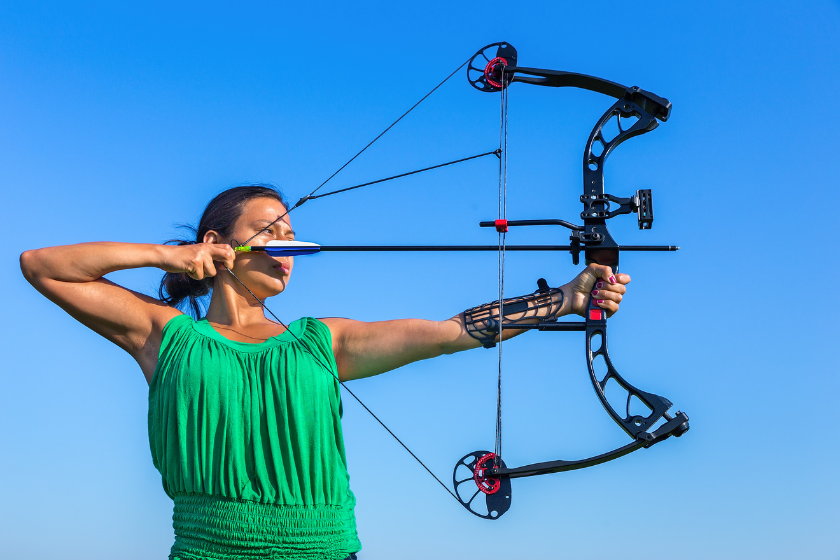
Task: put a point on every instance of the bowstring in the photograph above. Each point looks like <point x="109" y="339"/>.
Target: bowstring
<point x="503" y="112"/>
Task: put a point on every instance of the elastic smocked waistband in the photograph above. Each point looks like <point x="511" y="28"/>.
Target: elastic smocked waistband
<point x="211" y="527"/>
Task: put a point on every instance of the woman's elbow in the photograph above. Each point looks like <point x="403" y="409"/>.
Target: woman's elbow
<point x="30" y="262"/>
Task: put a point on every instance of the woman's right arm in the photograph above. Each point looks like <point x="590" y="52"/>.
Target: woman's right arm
<point x="72" y="277"/>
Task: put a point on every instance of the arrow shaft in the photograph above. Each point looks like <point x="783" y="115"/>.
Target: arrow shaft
<point x="409" y="248"/>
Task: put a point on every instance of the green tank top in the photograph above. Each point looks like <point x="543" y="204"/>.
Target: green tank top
<point x="248" y="442"/>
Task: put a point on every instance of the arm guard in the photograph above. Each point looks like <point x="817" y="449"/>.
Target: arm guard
<point x="482" y="322"/>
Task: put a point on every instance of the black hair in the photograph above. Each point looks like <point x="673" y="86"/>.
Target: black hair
<point x="220" y="215"/>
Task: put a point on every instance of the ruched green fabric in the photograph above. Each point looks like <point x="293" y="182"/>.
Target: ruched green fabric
<point x="247" y="439"/>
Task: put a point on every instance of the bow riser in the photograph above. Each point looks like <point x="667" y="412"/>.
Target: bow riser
<point x="600" y="247"/>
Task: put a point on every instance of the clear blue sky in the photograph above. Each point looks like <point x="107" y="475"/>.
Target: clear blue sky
<point x="116" y="123"/>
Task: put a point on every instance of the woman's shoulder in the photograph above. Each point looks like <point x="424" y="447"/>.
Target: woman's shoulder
<point x="333" y="327"/>
<point x="317" y="334"/>
<point x="312" y="328"/>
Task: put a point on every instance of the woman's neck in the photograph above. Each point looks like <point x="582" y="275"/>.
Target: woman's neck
<point x="237" y="314"/>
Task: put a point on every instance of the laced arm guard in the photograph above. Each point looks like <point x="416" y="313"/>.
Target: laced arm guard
<point x="482" y="322"/>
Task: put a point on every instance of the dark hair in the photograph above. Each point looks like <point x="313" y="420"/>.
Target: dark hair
<point x="220" y="215"/>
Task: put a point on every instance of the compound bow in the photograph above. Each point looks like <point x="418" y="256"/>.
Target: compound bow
<point x="491" y="496"/>
<point x="494" y="73"/>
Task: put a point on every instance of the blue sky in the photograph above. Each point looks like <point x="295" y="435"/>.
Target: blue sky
<point x="120" y="121"/>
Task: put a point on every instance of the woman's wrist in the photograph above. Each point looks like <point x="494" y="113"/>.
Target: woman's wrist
<point x="160" y="256"/>
<point x="565" y="298"/>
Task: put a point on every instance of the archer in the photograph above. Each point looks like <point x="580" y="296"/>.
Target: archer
<point x="244" y="412"/>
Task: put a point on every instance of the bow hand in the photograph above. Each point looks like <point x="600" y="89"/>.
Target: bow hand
<point x="598" y="282"/>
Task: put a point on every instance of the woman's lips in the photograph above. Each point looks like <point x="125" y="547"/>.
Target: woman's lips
<point x="283" y="268"/>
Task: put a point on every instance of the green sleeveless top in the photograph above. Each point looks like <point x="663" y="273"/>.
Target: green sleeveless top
<point x="248" y="442"/>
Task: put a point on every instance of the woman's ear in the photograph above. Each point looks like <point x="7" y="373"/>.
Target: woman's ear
<point x="212" y="237"/>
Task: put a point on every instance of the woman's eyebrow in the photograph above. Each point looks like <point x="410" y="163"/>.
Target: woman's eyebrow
<point x="268" y="223"/>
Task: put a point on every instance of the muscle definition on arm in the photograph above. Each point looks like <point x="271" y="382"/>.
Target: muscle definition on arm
<point x="72" y="276"/>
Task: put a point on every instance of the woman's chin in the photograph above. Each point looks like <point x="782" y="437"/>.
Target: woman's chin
<point x="266" y="286"/>
<point x="278" y="285"/>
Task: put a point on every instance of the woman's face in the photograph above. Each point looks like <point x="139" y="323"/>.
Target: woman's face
<point x="263" y="274"/>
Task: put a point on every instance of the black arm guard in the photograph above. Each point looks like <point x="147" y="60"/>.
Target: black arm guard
<point x="482" y="322"/>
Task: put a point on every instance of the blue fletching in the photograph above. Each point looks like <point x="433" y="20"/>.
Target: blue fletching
<point x="291" y="248"/>
<point x="277" y="252"/>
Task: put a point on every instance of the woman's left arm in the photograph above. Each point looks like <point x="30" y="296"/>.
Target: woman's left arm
<point x="365" y="349"/>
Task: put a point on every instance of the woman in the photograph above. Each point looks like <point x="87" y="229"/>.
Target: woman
<point x="244" y="414"/>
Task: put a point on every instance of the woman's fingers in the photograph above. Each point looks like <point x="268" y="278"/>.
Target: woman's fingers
<point x="622" y="279"/>
<point x="224" y="254"/>
<point x="604" y="287"/>
<point x="608" y="301"/>
<point x="199" y="260"/>
<point x="605" y="273"/>
<point x="609" y="290"/>
<point x="217" y="253"/>
<point x="197" y="267"/>
<point x="602" y="273"/>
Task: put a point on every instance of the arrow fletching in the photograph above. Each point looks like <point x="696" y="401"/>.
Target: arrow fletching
<point x="283" y="248"/>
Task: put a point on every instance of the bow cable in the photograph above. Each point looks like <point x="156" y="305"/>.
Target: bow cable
<point x="335" y="375"/>
<point x="493" y="153"/>
<point x="380" y="135"/>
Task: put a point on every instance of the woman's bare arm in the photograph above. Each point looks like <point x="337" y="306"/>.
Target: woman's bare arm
<point x="72" y="277"/>
<point x="365" y="349"/>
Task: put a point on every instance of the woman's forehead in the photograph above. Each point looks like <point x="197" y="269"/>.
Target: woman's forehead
<point x="264" y="209"/>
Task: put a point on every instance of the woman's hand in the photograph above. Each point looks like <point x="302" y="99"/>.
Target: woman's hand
<point x="599" y="282"/>
<point x="198" y="260"/>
